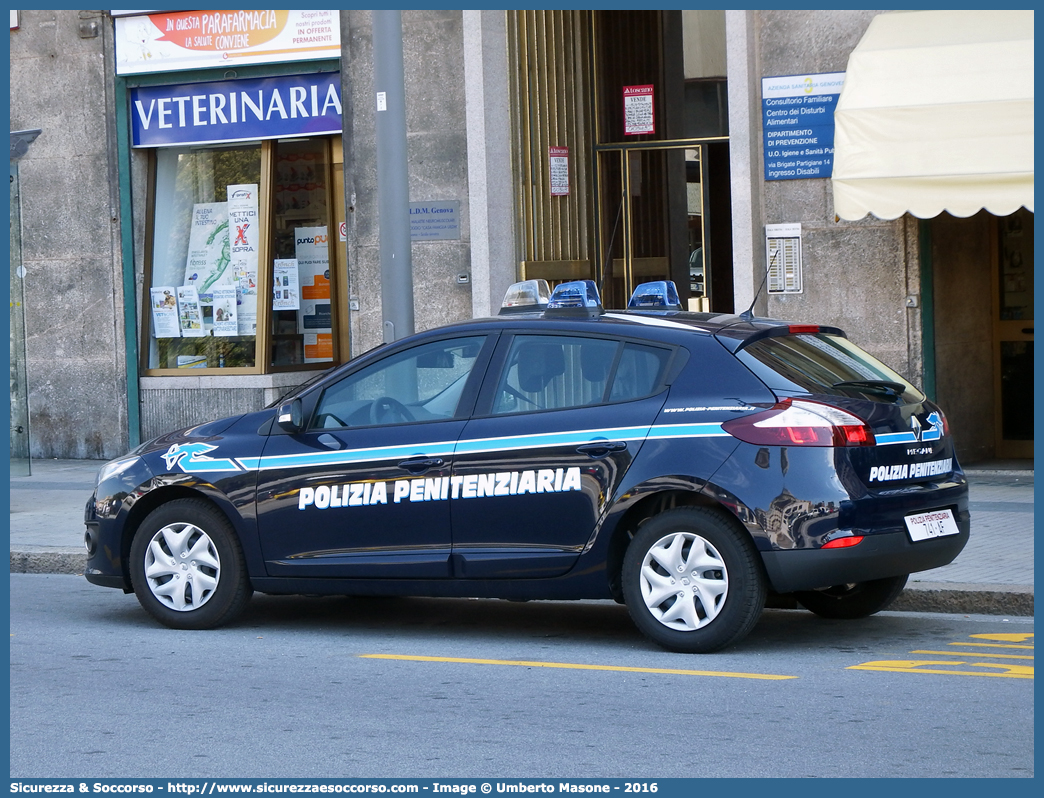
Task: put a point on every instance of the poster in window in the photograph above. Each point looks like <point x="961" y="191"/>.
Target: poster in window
<point x="225" y="314"/>
<point x="165" y="312"/>
<point x="244" y="231"/>
<point x="313" y="264"/>
<point x="285" y="295"/>
<point x="638" y="110"/>
<point x="209" y="255"/>
<point x="318" y="347"/>
<point x="190" y="314"/>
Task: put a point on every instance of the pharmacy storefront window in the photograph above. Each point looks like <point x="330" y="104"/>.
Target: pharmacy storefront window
<point x="241" y="267"/>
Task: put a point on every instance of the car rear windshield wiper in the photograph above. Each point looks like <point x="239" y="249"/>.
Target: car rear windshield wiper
<point x="879" y="386"/>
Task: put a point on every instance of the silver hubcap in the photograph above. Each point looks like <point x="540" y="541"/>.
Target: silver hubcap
<point x="684" y="581"/>
<point x="182" y="567"/>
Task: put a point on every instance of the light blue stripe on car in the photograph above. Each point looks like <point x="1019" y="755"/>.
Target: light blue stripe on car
<point x="548" y="439"/>
<point x="347" y="457"/>
<point x="479" y="446"/>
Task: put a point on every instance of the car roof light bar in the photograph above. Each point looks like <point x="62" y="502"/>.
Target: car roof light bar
<point x="655" y="295"/>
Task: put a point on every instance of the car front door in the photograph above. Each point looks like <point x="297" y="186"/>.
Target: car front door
<point x="363" y="491"/>
<point x="556" y="427"/>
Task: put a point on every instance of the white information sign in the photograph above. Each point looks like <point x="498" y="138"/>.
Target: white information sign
<point x="225" y="310"/>
<point x="639" y="118"/>
<point x="164" y="301"/>
<point x="559" y="160"/>
<point x="244" y="230"/>
<point x="190" y="314"/>
<point x="285" y="295"/>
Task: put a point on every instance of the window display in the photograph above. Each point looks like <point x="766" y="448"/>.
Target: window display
<point x="203" y="290"/>
<point x="230" y="221"/>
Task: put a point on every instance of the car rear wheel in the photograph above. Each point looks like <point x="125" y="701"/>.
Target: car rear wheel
<point x="187" y="567"/>
<point x="856" y="600"/>
<point x="692" y="581"/>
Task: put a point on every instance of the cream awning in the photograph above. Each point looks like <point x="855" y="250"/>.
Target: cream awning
<point x="936" y="114"/>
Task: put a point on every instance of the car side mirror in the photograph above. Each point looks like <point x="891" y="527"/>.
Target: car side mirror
<point x="290" y="416"/>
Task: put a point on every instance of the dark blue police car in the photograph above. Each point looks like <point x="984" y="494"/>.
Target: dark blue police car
<point x="686" y="464"/>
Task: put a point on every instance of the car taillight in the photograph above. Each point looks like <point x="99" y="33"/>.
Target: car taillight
<point x="795" y="422"/>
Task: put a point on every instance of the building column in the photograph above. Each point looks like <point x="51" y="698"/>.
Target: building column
<point x="748" y="251"/>
<point x="487" y="94"/>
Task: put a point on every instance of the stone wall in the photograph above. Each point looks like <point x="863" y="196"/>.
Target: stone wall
<point x="70" y="234"/>
<point x="438" y="168"/>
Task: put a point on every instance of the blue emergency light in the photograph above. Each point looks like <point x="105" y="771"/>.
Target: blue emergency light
<point x="657" y="295"/>
<point x="575" y="294"/>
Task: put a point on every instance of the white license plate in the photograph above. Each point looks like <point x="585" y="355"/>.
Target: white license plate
<point x="936" y="524"/>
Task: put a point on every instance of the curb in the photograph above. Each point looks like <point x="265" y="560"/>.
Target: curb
<point x="48" y="561"/>
<point x="965" y="599"/>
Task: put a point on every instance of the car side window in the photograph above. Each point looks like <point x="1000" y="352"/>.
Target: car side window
<point x="640" y="371"/>
<point x="547" y="372"/>
<point x="424" y="383"/>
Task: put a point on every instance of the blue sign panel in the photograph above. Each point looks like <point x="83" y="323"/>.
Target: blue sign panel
<point x="435" y="221"/>
<point x="236" y="110"/>
<point x="797" y="120"/>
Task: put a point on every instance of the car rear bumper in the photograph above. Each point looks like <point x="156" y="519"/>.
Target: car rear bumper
<point x="877" y="557"/>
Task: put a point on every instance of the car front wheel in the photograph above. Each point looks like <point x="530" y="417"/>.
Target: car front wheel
<point x="692" y="581"/>
<point x="856" y="600"/>
<point x="187" y="568"/>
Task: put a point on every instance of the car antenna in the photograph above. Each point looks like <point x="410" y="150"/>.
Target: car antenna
<point x="609" y="249"/>
<point x="748" y="314"/>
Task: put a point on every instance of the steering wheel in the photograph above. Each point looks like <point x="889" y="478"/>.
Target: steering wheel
<point x="385" y="406"/>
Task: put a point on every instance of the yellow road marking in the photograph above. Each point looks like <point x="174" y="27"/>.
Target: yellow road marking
<point x="916" y="666"/>
<point x="975" y="654"/>
<point x="992" y="645"/>
<point x="574" y="666"/>
<point x="1008" y="637"/>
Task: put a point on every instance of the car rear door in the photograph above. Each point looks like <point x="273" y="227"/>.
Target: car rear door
<point x="559" y="421"/>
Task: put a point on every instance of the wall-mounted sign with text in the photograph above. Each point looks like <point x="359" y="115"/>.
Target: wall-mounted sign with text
<point x="797" y="122"/>
<point x="558" y="158"/>
<point x="435" y="221"/>
<point x="236" y="110"/>
<point x="639" y="118"/>
<point x="165" y="41"/>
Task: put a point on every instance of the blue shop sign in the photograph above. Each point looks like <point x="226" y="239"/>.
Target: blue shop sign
<point x="797" y="122"/>
<point x="236" y="110"/>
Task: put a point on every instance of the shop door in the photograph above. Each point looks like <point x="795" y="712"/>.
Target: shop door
<point x="1013" y="336"/>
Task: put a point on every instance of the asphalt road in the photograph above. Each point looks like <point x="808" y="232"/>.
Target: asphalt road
<point x="428" y="688"/>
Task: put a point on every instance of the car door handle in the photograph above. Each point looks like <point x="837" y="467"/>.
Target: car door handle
<point x="422" y="464"/>
<point x="598" y="449"/>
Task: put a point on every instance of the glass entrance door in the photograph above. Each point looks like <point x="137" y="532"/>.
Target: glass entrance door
<point x="652" y="221"/>
<point x="1013" y="336"/>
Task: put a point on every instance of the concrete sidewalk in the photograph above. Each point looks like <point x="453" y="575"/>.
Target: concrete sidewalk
<point x="993" y="575"/>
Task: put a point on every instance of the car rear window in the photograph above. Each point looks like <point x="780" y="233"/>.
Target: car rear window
<point x="822" y="364"/>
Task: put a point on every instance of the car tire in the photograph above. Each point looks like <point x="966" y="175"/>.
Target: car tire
<point x="693" y="581"/>
<point x="851" y="601"/>
<point x="187" y="567"/>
